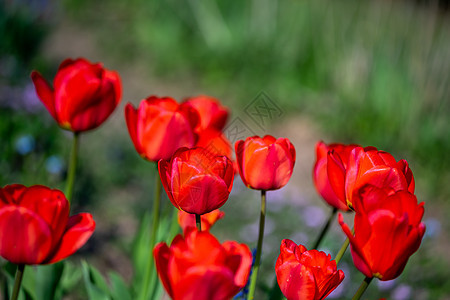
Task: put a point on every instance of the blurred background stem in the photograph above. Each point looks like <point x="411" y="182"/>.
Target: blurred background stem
<point x="324" y="229"/>
<point x="71" y="171"/>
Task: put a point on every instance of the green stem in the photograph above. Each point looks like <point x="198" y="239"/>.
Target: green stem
<point x="325" y="229"/>
<point x="343" y="249"/>
<point x="262" y="218"/>
<point x="362" y="288"/>
<point x="198" y="221"/>
<point x="155" y="225"/>
<point x="72" y="166"/>
<point x="18" y="281"/>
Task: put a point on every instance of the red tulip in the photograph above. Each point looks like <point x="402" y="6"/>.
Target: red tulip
<point x="198" y="267"/>
<point x="84" y="94"/>
<point x="306" y="275"/>
<point x="213" y="115"/>
<point x="367" y="166"/>
<point x="265" y="163"/>
<point x="197" y="181"/>
<point x="160" y="126"/>
<point x="320" y="172"/>
<point x="187" y="220"/>
<point x="35" y="227"/>
<point x="388" y="230"/>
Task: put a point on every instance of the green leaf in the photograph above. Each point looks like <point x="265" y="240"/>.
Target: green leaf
<point x="47" y="280"/>
<point x="98" y="280"/>
<point x="119" y="290"/>
<point x="93" y="291"/>
<point x="70" y="277"/>
<point x="140" y="248"/>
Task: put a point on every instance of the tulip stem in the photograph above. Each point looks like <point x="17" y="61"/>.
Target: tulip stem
<point x="155" y="225"/>
<point x="72" y="166"/>
<point x="198" y="221"/>
<point x="362" y="288"/>
<point x="325" y="229"/>
<point x="262" y="218"/>
<point x="18" y="281"/>
<point x="343" y="249"/>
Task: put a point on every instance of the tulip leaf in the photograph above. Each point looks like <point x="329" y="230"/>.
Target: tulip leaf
<point x="70" y="276"/>
<point x="140" y="248"/>
<point x="119" y="290"/>
<point x="93" y="290"/>
<point x="47" y="280"/>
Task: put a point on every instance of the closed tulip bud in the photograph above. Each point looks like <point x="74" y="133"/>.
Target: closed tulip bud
<point x="388" y="230"/>
<point x="196" y="266"/>
<point x="83" y="94"/>
<point x="196" y="180"/>
<point x="265" y="163"/>
<point x="306" y="274"/>
<point x="320" y="172"/>
<point x="35" y="227"/>
<point x="160" y="126"/>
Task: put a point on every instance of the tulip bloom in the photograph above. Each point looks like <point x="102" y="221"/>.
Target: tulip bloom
<point x="265" y="163"/>
<point x="160" y="126"/>
<point x="303" y="274"/>
<point x="35" y="227"/>
<point x="367" y="166"/>
<point x="388" y="230"/>
<point x="84" y="94"/>
<point x="198" y="267"/>
<point x="187" y="220"/>
<point x="320" y="172"/>
<point x="197" y="181"/>
<point x="213" y="115"/>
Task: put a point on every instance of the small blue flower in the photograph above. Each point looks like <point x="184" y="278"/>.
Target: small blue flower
<point x="25" y="144"/>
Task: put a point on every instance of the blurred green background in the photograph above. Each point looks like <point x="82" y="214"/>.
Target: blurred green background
<point x="367" y="72"/>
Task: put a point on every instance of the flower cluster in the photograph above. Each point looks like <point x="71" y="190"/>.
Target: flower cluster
<point x="197" y="167"/>
<point x="387" y="223"/>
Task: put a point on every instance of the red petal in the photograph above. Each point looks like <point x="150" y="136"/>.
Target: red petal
<point x="239" y="151"/>
<point x="45" y="93"/>
<point x="10" y="194"/>
<point x="239" y="261"/>
<point x="336" y="175"/>
<point x="296" y="281"/>
<point x="206" y="283"/>
<point x="25" y="238"/>
<point x="78" y="230"/>
<point x="131" y="119"/>
<point x="161" y="254"/>
<point x="360" y="262"/>
<point x="51" y="205"/>
<point x="200" y="194"/>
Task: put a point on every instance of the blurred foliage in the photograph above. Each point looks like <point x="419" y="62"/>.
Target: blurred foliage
<point x="375" y="73"/>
